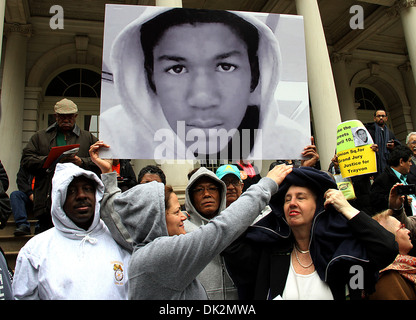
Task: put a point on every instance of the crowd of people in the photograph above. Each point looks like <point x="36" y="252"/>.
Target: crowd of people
<point x="102" y="233"/>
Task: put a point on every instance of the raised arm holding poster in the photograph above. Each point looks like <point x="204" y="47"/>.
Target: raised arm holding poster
<point x="198" y="84"/>
<point x="355" y="156"/>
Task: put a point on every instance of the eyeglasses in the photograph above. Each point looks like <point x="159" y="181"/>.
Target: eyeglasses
<point x="402" y="226"/>
<point x="235" y="183"/>
<point x="381" y="116"/>
<point x="201" y="190"/>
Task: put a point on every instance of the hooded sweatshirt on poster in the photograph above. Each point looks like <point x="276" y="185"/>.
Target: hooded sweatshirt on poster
<point x="140" y="108"/>
<point x="68" y="262"/>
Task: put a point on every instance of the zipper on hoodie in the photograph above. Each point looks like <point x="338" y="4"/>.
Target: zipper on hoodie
<point x="274" y="232"/>
<point x="335" y="258"/>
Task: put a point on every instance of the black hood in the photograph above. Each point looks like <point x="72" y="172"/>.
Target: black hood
<point x="318" y="181"/>
<point x="274" y="226"/>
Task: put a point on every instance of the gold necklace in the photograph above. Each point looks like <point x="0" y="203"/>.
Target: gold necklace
<point x="297" y="258"/>
<point x="301" y="251"/>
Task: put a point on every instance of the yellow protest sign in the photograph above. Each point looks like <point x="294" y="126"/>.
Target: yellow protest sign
<point x="355" y="156"/>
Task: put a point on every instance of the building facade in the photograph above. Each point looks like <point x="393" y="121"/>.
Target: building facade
<point x="359" y="55"/>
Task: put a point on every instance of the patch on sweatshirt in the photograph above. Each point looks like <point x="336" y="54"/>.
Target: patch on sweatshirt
<point x="118" y="269"/>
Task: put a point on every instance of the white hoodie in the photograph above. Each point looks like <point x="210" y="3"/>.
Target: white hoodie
<point x="68" y="262"/>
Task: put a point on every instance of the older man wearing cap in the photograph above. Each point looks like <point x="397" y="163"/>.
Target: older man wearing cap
<point x="63" y="132"/>
<point x="231" y="176"/>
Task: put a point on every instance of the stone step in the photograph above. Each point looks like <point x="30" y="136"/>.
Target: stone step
<point x="11" y="227"/>
<point x="11" y="244"/>
<point x="11" y="257"/>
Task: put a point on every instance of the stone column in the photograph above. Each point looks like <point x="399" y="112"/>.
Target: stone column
<point x="325" y="109"/>
<point x="33" y="96"/>
<point x="2" y="11"/>
<point x="410" y="86"/>
<point x="12" y="98"/>
<point x="344" y="92"/>
<point x="408" y="16"/>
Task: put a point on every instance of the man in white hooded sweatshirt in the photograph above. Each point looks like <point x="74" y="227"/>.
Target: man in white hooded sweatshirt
<point x="78" y="258"/>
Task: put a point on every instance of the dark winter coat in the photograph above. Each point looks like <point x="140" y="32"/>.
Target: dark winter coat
<point x="35" y="154"/>
<point x="259" y="261"/>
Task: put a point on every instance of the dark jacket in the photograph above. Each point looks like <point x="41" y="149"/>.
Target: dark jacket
<point x="371" y="128"/>
<point x="259" y="260"/>
<point x="24" y="181"/>
<point x="36" y="152"/>
<point x="382" y="154"/>
<point x="127" y="177"/>
<point x="380" y="191"/>
<point x="4" y="179"/>
<point x="411" y="177"/>
<point x="5" y="206"/>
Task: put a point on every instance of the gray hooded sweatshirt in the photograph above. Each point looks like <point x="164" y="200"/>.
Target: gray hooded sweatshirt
<point x="214" y="278"/>
<point x="166" y="267"/>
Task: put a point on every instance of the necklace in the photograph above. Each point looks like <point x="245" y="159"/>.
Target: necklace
<point x="303" y="266"/>
<point x="301" y="251"/>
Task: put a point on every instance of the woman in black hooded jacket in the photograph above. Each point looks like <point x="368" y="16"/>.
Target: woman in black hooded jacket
<point x="311" y="246"/>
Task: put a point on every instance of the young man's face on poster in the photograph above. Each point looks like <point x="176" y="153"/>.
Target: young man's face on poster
<point x="202" y="76"/>
<point x="362" y="135"/>
<point x="201" y="85"/>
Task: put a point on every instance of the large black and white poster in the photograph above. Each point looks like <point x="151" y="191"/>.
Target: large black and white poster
<point x="199" y="84"/>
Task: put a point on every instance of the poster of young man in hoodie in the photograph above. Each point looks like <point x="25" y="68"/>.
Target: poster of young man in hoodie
<point x="77" y="259"/>
<point x="189" y="83"/>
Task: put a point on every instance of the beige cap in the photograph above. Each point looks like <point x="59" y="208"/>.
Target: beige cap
<point x="65" y="106"/>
